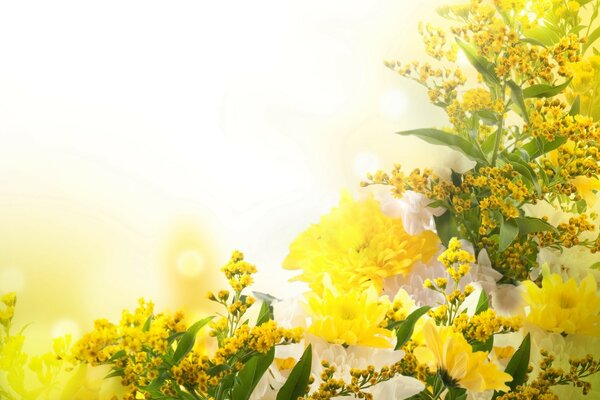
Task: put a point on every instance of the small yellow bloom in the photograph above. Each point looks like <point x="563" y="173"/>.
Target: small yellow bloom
<point x="349" y="317"/>
<point x="564" y="307"/>
<point x="449" y="351"/>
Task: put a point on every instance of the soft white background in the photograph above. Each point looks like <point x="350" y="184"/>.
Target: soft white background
<point x="140" y="142"/>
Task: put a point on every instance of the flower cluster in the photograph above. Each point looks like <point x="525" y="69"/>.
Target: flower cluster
<point x="437" y="290"/>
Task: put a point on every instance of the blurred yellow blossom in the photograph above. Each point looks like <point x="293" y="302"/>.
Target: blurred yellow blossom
<point x="564" y="307"/>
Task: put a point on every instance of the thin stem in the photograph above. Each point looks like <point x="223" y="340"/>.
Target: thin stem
<point x="499" y="132"/>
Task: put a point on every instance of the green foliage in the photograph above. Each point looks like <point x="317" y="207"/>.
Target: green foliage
<point x="406" y="328"/>
<point x="297" y="383"/>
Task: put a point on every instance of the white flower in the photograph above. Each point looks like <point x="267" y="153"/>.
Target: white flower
<point x="412" y="209"/>
<point x="481" y="275"/>
<point x="344" y="359"/>
<point x="573" y="262"/>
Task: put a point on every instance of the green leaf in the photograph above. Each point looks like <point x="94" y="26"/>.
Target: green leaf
<point x="508" y="233"/>
<point x="405" y="330"/>
<point x="483" y="66"/>
<point x="186" y="343"/>
<point x="541" y="146"/>
<point x="439" y="137"/>
<point x="527" y="173"/>
<point x="516" y="95"/>
<point x="264" y="314"/>
<point x="117" y="355"/>
<point x="529" y="224"/>
<point x="147" y="324"/>
<point x="446" y="227"/>
<point x="488" y="144"/>
<point x="596" y="265"/>
<point x="518" y="364"/>
<point x="592" y="37"/>
<point x="297" y="383"/>
<point x="484" y="346"/>
<point x="115" y="372"/>
<point x="543" y="90"/>
<point x="533" y="41"/>
<point x="456" y="393"/>
<point x="488" y="117"/>
<point x="575" y="107"/>
<point x="250" y="374"/>
<point x="483" y="303"/>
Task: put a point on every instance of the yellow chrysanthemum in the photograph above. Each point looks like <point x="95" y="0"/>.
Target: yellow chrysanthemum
<point x="349" y="317"/>
<point x="564" y="307"/>
<point x="357" y="245"/>
<point x="449" y="352"/>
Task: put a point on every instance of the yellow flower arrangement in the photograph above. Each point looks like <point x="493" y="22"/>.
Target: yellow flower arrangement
<point x="448" y="352"/>
<point x="357" y="245"/>
<point x="564" y="307"/>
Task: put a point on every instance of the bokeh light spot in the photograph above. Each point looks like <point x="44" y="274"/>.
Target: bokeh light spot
<point x="394" y="104"/>
<point x="190" y="263"/>
<point x="65" y="327"/>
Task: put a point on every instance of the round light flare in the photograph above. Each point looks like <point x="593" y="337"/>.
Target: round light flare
<point x="64" y="327"/>
<point x="394" y="104"/>
<point x="366" y="162"/>
<point x="11" y="280"/>
<point x="190" y="263"/>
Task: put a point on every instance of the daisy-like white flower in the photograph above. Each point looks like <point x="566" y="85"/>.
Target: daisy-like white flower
<point x="360" y="357"/>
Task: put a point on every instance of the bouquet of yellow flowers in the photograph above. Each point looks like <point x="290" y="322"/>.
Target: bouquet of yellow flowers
<point x="479" y="283"/>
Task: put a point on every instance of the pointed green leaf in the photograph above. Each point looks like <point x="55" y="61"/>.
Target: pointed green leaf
<point x="516" y="95"/>
<point x="116" y="355"/>
<point x="488" y="144"/>
<point x="529" y="224"/>
<point x="527" y="173"/>
<point x="405" y="330"/>
<point x="439" y="137"/>
<point x="186" y="343"/>
<point x="543" y="90"/>
<point x="508" y="233"/>
<point x="518" y="365"/>
<point x="115" y="372"/>
<point x="147" y="324"/>
<point x="297" y="383"/>
<point x="540" y="146"/>
<point x="483" y="66"/>
<point x="264" y="314"/>
<point x="250" y="374"/>
<point x="575" y="107"/>
<point x="484" y="346"/>
<point x="483" y="303"/>
<point x="592" y="37"/>
<point x="446" y="227"/>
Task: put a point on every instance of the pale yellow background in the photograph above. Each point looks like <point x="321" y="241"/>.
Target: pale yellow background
<point x="140" y="142"/>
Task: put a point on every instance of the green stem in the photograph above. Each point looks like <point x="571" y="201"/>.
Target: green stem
<point x="499" y="133"/>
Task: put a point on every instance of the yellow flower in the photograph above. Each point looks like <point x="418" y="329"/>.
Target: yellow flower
<point x="586" y="187"/>
<point x="564" y="307"/>
<point x="358" y="246"/>
<point x="349" y="317"/>
<point x="449" y="352"/>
